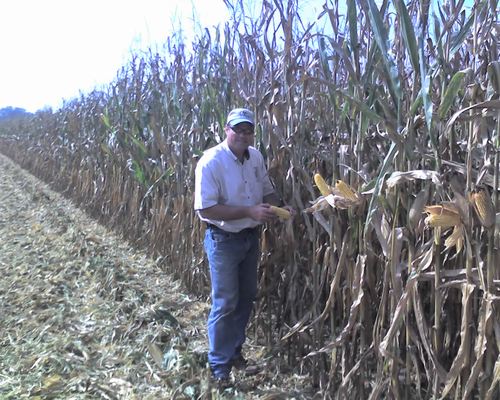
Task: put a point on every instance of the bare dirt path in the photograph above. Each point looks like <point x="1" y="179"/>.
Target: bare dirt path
<point x="83" y="315"/>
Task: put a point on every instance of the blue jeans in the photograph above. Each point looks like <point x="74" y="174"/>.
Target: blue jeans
<point x="233" y="259"/>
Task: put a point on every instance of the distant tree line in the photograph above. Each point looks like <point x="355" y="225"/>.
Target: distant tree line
<point x="9" y="112"/>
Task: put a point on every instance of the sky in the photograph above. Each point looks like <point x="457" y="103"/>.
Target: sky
<point x="55" y="49"/>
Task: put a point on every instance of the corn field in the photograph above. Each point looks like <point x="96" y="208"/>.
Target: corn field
<point x="395" y="294"/>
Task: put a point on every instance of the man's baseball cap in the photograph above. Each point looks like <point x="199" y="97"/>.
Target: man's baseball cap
<point x="239" y="115"/>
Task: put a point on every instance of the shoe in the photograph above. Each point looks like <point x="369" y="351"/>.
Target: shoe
<point x="239" y="362"/>
<point x="222" y="382"/>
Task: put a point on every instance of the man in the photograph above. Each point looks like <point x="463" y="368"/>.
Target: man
<point x="233" y="195"/>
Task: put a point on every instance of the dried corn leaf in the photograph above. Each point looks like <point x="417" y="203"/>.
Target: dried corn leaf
<point x="382" y="230"/>
<point x="320" y="204"/>
<point x="398" y="177"/>
<point x="323" y="222"/>
<point x="399" y="314"/>
<point x="485" y="314"/>
<point x="156" y="353"/>
<point x="459" y="362"/>
<point x="334" y="285"/>
<point x="492" y="390"/>
<point x="354" y="309"/>
<point x="417" y="208"/>
<point x="456" y="238"/>
<point x="423" y="262"/>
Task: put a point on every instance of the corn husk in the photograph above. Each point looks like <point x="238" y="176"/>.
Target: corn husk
<point x="444" y="216"/>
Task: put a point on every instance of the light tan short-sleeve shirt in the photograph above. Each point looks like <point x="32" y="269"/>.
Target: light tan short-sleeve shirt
<point x="220" y="178"/>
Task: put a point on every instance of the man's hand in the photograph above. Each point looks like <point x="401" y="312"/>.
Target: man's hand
<point x="262" y="212"/>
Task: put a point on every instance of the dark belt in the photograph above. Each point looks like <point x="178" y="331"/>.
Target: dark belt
<point x="246" y="230"/>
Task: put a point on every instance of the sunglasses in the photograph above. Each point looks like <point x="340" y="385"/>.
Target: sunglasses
<point x="243" y="129"/>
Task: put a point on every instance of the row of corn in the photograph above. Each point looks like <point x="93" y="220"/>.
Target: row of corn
<point x="443" y="216"/>
<point x="339" y="196"/>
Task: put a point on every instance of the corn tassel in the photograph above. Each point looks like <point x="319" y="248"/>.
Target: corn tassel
<point x="323" y="187"/>
<point x="281" y="212"/>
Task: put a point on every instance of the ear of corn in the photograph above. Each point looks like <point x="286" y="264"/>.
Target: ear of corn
<point x="281" y="212"/>
<point x="484" y="207"/>
<point x="342" y="196"/>
<point x="445" y="217"/>
<point x="346" y="191"/>
<point x="323" y="187"/>
<point x="442" y="220"/>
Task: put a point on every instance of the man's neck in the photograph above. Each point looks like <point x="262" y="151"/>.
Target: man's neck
<point x="241" y="156"/>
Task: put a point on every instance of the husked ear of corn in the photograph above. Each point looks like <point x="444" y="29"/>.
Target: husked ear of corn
<point x="341" y="196"/>
<point x="323" y="187"/>
<point x="281" y="212"/>
<point x="346" y="191"/>
<point x="483" y="206"/>
<point x="442" y="216"/>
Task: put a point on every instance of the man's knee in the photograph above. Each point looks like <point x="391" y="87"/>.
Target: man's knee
<point x="225" y="305"/>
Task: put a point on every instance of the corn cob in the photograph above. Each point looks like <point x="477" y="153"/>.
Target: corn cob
<point x="323" y="187"/>
<point x="442" y="220"/>
<point x="442" y="216"/>
<point x="346" y="191"/>
<point x="484" y="207"/>
<point x="280" y="212"/>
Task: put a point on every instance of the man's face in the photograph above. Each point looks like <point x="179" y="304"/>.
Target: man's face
<point x="240" y="136"/>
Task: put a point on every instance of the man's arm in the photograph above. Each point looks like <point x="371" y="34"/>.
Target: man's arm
<point x="221" y="212"/>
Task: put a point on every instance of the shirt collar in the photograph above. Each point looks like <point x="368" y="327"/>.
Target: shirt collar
<point x="232" y="155"/>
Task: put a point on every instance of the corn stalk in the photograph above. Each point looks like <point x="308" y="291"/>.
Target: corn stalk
<point x="382" y="100"/>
